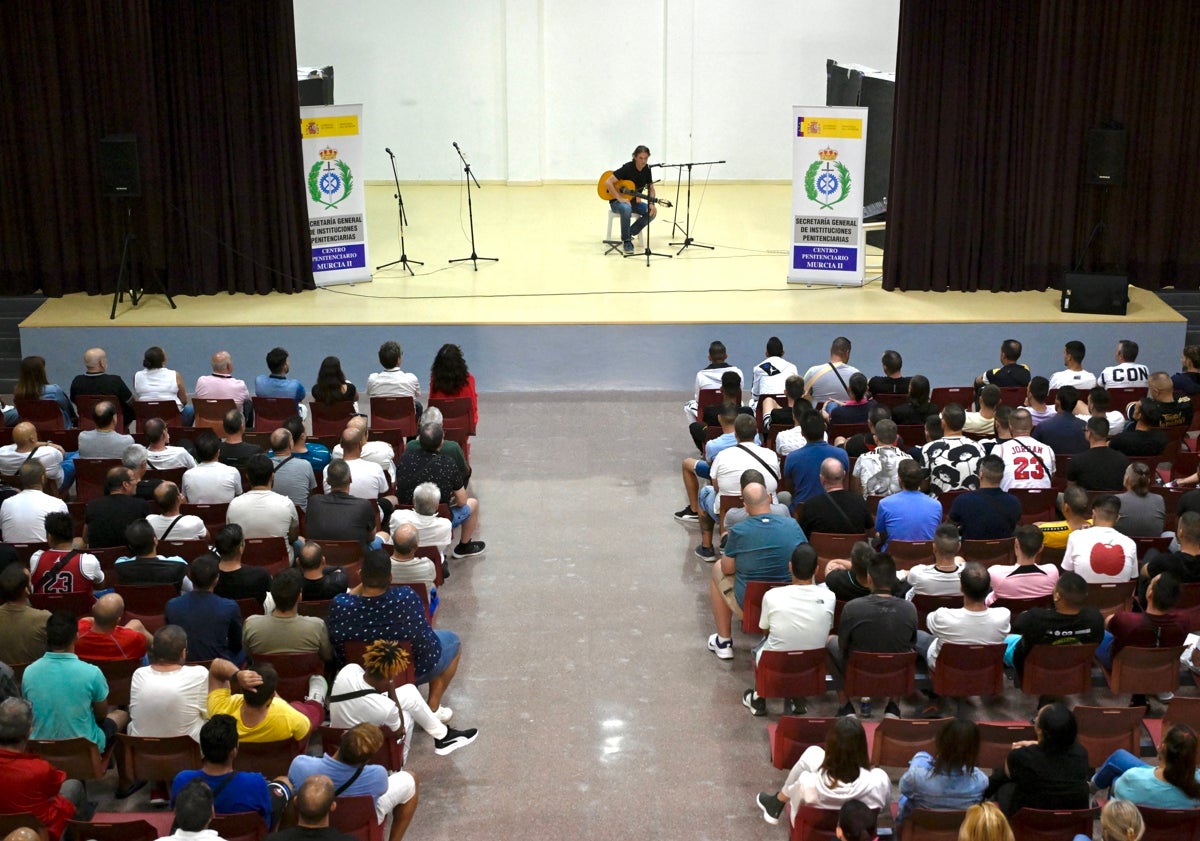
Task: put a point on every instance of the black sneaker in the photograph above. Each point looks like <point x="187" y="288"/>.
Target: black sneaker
<point x="453" y="740"/>
<point x="468" y="550"/>
<point x="795" y="706"/>
<point x="756" y="705"/>
<point x="892" y="710"/>
<point x="771" y="806"/>
<point x="845" y="710"/>
<point x="628" y="247"/>
<point x="687" y="515"/>
<point x="706" y="553"/>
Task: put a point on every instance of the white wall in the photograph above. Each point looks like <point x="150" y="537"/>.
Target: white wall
<point x="538" y="90"/>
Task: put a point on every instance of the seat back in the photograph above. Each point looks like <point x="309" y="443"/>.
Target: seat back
<point x="212" y="513"/>
<point x="793" y="734"/>
<point x="926" y="604"/>
<point x="398" y="413"/>
<point x="355" y="816"/>
<point x="969" y="669"/>
<point x="271" y="553"/>
<point x="1102" y="730"/>
<point x="294" y="668"/>
<point x="704" y="398"/>
<point x="1145" y="671"/>
<point x="78" y="758"/>
<point x="319" y="609"/>
<point x="790" y="674"/>
<point x="340" y="553"/>
<point x="876" y="674"/>
<point x="813" y="824"/>
<point x="1145" y="544"/>
<point x="1058" y="669"/>
<point x="271" y="412"/>
<point x="89" y="476"/>
<point x="1012" y="395"/>
<point x="1111" y="598"/>
<point x="155" y="758"/>
<point x="897" y="739"/>
<point x="1018" y="606"/>
<point x="1170" y="824"/>
<point x="79" y="603"/>
<point x="330" y="418"/>
<point x="908" y="553"/>
<point x="94" y="830"/>
<point x="240" y="826"/>
<point x="210" y="414"/>
<point x="830" y="546"/>
<point x="932" y="825"/>
<point x="119" y="674"/>
<point x="987" y="552"/>
<point x="456" y="412"/>
<point x="1037" y="504"/>
<point x="996" y="740"/>
<point x="85" y="404"/>
<point x="271" y="759"/>
<point x="752" y="604"/>
<point x="146" y="603"/>
<point x="189" y="550"/>
<point x="1051" y="824"/>
<point x="912" y="434"/>
<point x="963" y="395"/>
<point x="44" y="414"/>
<point x="165" y="410"/>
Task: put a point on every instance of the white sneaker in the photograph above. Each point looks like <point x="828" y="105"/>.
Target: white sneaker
<point x="723" y="650"/>
<point x="318" y="688"/>
<point x="443" y="713"/>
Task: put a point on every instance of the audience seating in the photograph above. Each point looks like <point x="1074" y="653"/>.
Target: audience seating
<point x="210" y="414"/>
<point x="78" y="758"/>
<point x="79" y="603"/>
<point x="1144" y="671"/>
<point x="320" y="609"/>
<point x="962" y="395"/>
<point x="399" y="413"/>
<point x="271" y="553"/>
<point x="355" y="816"/>
<point x="1037" y="504"/>
<point x="792" y="734"/>
<point x="790" y="674"/>
<point x="1013" y="396"/>
<point x="813" y="824"/>
<point x="68" y="439"/>
<point x="390" y="755"/>
<point x="248" y="607"/>
<point x="95" y="830"/>
<point x="1111" y="598"/>
<point x="912" y="434"/>
<point x="1180" y="710"/>
<point x="146" y="603"/>
<point x="85" y="404"/>
<point x="1052" y="825"/>
<point x="932" y="825"/>
<point x="119" y="674"/>
<point x="89" y="476"/>
<point x="1018" y="606"/>
<point x="169" y="474"/>
<point x="996" y="739"/>
<point x="946" y="498"/>
<point x="189" y="550"/>
<point x="877" y="675"/>
<point x="926" y="604"/>
<point x="831" y="546"/>
<point x="1103" y="730"/>
<point x="898" y="739"/>
<point x="752" y="605"/>
<point x="704" y="398"/>
<point x="1189" y="595"/>
<point x="1058" y="669"/>
<point x="1170" y="824"/>
<point x="987" y="552"/>
<point x="212" y="513"/>
<point x="155" y="758"/>
<point x="340" y="553"/>
<point x="908" y="553"/>
<point x="271" y="412"/>
<point x="294" y="668"/>
<point x="1122" y="396"/>
<point x="456" y="413"/>
<point x="330" y="418"/>
<point x="44" y="414"/>
<point x="965" y="669"/>
<point x="165" y="410"/>
<point x="271" y="759"/>
<point x="1145" y="544"/>
<point x="240" y="826"/>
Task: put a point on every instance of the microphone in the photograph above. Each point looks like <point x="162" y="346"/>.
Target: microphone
<point x="455" y="145"/>
<point x="389" y="151"/>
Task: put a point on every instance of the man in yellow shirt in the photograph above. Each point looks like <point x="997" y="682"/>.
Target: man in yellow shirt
<point x="1074" y="508"/>
<point x="261" y="715"/>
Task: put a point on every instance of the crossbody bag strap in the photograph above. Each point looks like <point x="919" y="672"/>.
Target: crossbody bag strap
<point x="168" y="531"/>
<point x="758" y="458"/>
<point x="54" y="570"/>
<point x="357" y="773"/>
<point x="1020" y="444"/>
<point x="838" y="373"/>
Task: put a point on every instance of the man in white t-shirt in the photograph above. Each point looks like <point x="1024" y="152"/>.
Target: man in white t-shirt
<point x="771" y="374"/>
<point x="23" y="516"/>
<point x="1028" y="463"/>
<point x="367" y="479"/>
<point x="940" y="578"/>
<point x="792" y="438"/>
<point x="1074" y="374"/>
<point x="795" y="617"/>
<point x="159" y="451"/>
<point x="391" y="381"/>
<point x="432" y="530"/>
<point x="211" y="482"/>
<point x="168" y="698"/>
<point x="379" y="452"/>
<point x="709" y="377"/>
<point x="974" y="622"/>
<point x="26" y="446"/>
<point x="1101" y="554"/>
<point x="1126" y="373"/>
<point x="830" y="380"/>
<point x="170" y="524"/>
<point x="260" y="511"/>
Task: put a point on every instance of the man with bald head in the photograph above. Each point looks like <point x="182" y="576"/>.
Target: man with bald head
<point x="1028" y="463"/>
<point x="379" y="452"/>
<point x="314" y="800"/>
<point x="60" y="468"/>
<point x="407" y="568"/>
<point x="97" y="380"/>
<point x="836" y="510"/>
<point x="367" y="479"/>
<point x="103" y="637"/>
<point x="293" y="474"/>
<point x="222" y="385"/>
<point x="759" y="548"/>
<point x="104" y="441"/>
<point x="169" y="523"/>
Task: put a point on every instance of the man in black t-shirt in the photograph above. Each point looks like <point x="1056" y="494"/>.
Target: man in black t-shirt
<point x="1070" y="622"/>
<point x="837" y="510"/>
<point x="637" y="172"/>
<point x="1098" y="468"/>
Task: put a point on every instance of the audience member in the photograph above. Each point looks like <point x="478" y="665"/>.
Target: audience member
<point x="1125" y="374"/>
<point x="695" y="470"/>
<point x="983" y="421"/>
<point x="1099" y="405"/>
<point x="1146" y="438"/>
<point x="947" y="779"/>
<point x="336" y="515"/>
<point x="23" y="515"/>
<point x="101" y="636"/>
<point x="759" y="548"/>
<point x="210" y="482"/>
<point x="829" y="380"/>
<point x="985" y="822"/>
<point x="707" y="378"/>
<point x="159" y="450"/>
<point x="33" y="384"/>
<point x="104" y="441"/>
<point x="850" y="578"/>
<point x="63" y="568"/>
<point x="771" y="374"/>
<point x="875" y="473"/>
<point x="1174" y="784"/>
<point x="1158" y="626"/>
<point x="376" y="452"/>
<point x="31" y="784"/>
<point x="213" y="624"/>
<point x="1011" y="373"/>
<point x="1069" y="622"/>
<point x="853" y="410"/>
<point x="1174" y="412"/>
<point x="857" y="822"/>
<point x="726" y="474"/>
<point x="940" y="578"/>
<point x="1101" y="554"/>
<point x="60" y="468"/>
<point x="1188" y="381"/>
<point x="989" y="513"/>
<point x="1035" y="401"/>
<point x="136" y="460"/>
<point x="1184" y="562"/>
<point x="222" y="385"/>
<point x="293" y="475"/>
<point x="314" y="803"/>
<point x="277" y="383"/>
<point x="106" y="517"/>
<point x="1075" y="505"/>
<point x="168" y="698"/>
<point x="158" y="382"/>
<point x="1073" y="375"/>
<point x="96" y="380"/>
<point x="391" y="381"/>
<point x="862" y="442"/>
<point x="321" y="583"/>
<point x="953" y="459"/>
<point x="1026" y="579"/>
<point x="1050" y="773"/>
<point x="261" y="715"/>
<point x="233" y="792"/>
<point x="892" y="381"/>
<point x="315" y="454"/>
<point x="194" y="813"/>
<point x="829" y="776"/>
<point x="1063" y="431"/>
<point x="803" y="466"/>
<point x="736" y="515"/>
<point x="332" y="386"/>
<point x="1028" y="463"/>
<point x="260" y="511"/>
<point x="23" y="628"/>
<point x="234" y="451"/>
<point x="918" y="407"/>
<point x="407" y="568"/>
<point x="236" y="581"/>
<point x="367" y="479"/>
<point x="143" y="564"/>
<point x="781" y="417"/>
<point x="795" y="617"/>
<point x="428" y="465"/>
<point x="170" y="523"/>
<point x="283" y="629"/>
<point x="908" y="514"/>
<point x="835" y="510"/>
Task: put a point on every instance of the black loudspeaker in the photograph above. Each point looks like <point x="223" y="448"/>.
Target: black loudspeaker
<point x="1103" y="294"/>
<point x="1105" y="156"/>
<point x="119" y="174"/>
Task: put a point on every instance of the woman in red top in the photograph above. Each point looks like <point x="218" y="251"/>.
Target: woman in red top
<point x="449" y="377"/>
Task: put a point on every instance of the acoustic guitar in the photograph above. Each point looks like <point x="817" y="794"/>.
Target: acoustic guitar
<point x="626" y="188"/>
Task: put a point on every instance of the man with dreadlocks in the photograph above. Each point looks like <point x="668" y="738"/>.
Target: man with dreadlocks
<point x="369" y="694"/>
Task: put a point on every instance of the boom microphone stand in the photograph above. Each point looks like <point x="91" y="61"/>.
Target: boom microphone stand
<point x="470" y="213"/>
<point x="687" y="234"/>
<point x="403" y="261"/>
<point x="649" y="219"/>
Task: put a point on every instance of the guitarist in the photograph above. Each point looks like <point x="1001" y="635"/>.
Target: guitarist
<point x="637" y="172"/>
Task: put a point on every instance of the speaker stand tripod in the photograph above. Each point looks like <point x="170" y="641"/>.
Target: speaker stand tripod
<point x="403" y="261"/>
<point x="1098" y="231"/>
<point x="127" y="279"/>
<point x="470" y="214"/>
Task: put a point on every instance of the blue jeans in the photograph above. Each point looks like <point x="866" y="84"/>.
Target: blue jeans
<point x="1104" y="650"/>
<point x="627" y="210"/>
<point x="1113" y="767"/>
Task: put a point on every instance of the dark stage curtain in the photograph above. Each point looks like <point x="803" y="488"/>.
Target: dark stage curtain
<point x="993" y="106"/>
<point x="209" y="90"/>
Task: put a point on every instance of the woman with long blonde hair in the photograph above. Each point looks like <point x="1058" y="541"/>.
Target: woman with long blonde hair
<point x="985" y="822"/>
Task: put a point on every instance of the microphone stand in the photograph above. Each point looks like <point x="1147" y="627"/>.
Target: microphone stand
<point x="403" y="261"/>
<point x="649" y="218"/>
<point x="470" y="213"/>
<point x="687" y="234"/>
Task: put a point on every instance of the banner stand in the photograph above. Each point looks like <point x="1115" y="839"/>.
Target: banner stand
<point x="332" y="146"/>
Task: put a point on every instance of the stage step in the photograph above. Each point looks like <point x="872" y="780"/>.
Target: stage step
<point x="13" y="310"/>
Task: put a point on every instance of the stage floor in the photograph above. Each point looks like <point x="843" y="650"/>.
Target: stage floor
<point x="552" y="270"/>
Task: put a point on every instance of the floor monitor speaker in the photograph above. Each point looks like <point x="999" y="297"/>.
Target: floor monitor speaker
<point x="1101" y="294"/>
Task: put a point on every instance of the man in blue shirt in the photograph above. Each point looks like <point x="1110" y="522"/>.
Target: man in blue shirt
<point x="803" y="466"/>
<point x="909" y="514"/>
<point x="1063" y="432"/>
<point x="278" y="383"/>
<point x="213" y="624"/>
<point x="233" y="791"/>
<point x="758" y="549"/>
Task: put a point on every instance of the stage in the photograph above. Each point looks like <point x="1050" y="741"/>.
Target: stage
<point x="556" y="313"/>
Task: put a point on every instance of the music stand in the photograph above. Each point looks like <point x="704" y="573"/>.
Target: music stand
<point x="127" y="279"/>
<point x="403" y="261"/>
<point x="470" y="214"/>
